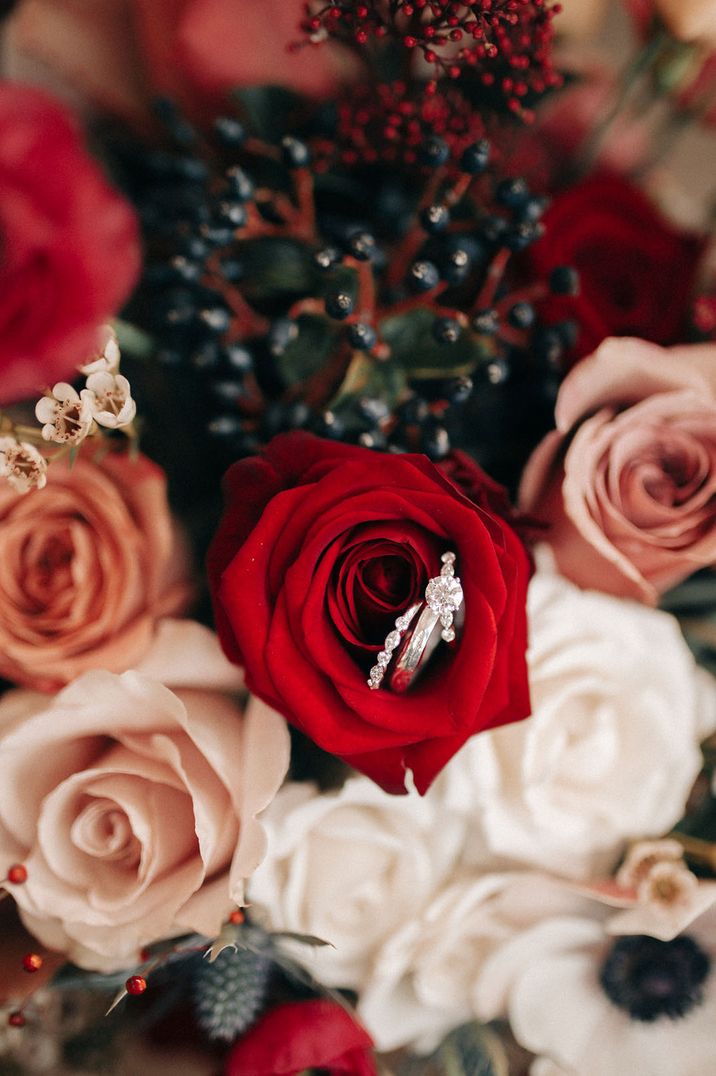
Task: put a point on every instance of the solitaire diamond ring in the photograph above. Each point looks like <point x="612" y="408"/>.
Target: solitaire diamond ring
<point x="443" y="599"/>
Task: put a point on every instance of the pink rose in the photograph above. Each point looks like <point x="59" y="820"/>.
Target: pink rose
<point x="87" y="566"/>
<point x="689" y="20"/>
<point x="133" y="808"/>
<point x="118" y="53"/>
<point x="627" y="481"/>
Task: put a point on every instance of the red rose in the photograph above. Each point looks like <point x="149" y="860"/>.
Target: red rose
<point x="320" y="548"/>
<point x="303" y="1035"/>
<point x="69" y="251"/>
<point x="637" y="272"/>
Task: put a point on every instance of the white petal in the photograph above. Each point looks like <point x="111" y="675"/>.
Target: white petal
<point x="63" y="392"/>
<point x="45" y="409"/>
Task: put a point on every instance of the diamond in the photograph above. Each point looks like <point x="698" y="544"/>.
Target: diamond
<point x="448" y="634"/>
<point x="383" y="659"/>
<point x="444" y="594"/>
<point x="402" y="623"/>
<point x="376" y="673"/>
<point x="392" y="640"/>
<point x="448" y="558"/>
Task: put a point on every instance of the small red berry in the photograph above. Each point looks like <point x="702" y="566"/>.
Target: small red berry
<point x="135" y="984"/>
<point x="17" y="874"/>
<point x="16" y="1019"/>
<point x="32" y="962"/>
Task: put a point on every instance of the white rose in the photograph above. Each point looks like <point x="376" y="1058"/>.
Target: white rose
<point x="611" y="750"/>
<point x="350" y="867"/>
<point x="427" y="979"/>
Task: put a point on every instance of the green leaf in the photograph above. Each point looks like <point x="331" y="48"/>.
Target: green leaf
<point x="366" y="376"/>
<point x="309" y="352"/>
<point x="276" y="269"/>
<point x="420" y="355"/>
<point x="266" y="108"/>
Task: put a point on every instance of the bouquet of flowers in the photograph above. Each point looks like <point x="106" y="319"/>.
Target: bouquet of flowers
<point x="357" y="537"/>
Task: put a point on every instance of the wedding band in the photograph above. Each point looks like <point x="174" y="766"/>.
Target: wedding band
<point x="415" y="651"/>
<point x="392" y="642"/>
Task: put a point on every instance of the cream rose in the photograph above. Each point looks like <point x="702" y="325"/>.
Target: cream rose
<point x="350" y="867"/>
<point x="87" y="566"/>
<point x="134" y="810"/>
<point x="611" y="750"/>
<point x="627" y="482"/>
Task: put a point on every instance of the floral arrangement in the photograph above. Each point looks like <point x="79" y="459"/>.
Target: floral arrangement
<point x="357" y="537"/>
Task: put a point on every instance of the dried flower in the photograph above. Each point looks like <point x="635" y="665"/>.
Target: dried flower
<point x="109" y="399"/>
<point x="22" y="465"/>
<point x="67" y="418"/>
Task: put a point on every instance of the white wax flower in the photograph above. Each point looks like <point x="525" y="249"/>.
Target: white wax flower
<point x="109" y="400"/>
<point x="66" y="418"/>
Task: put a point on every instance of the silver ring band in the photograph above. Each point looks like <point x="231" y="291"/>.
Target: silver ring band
<point x="443" y="599"/>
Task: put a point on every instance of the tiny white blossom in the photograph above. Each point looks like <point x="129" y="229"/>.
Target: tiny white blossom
<point x="107" y="361"/>
<point x="109" y="399"/>
<point x="66" y="418"/>
<point x="22" y="465"/>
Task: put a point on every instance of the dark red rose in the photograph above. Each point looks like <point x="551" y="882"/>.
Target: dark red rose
<point x="483" y="491"/>
<point x="303" y="1035"/>
<point x="637" y="272"/>
<point x="69" y="250"/>
<point x="321" y="547"/>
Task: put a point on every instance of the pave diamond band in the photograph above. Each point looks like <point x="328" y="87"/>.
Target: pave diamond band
<point x="392" y="641"/>
<point x="443" y="599"/>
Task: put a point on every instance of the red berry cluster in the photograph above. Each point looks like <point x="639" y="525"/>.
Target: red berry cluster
<point x="391" y="121"/>
<point x="506" y="43"/>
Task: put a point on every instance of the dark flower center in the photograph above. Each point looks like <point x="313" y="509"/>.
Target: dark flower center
<point x="648" y="978"/>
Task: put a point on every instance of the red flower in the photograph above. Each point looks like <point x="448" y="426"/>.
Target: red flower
<point x="637" y="272"/>
<point x="69" y="251"/>
<point x="320" y="548"/>
<point x="304" y="1035"/>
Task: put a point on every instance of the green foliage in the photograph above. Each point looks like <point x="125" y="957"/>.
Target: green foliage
<point x="415" y="350"/>
<point x="276" y="270"/>
<point x="470" y="1050"/>
<point x="309" y="352"/>
<point x="267" y="109"/>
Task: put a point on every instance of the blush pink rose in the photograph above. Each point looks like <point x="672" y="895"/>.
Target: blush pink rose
<point x="87" y="566"/>
<point x="689" y="20"/>
<point x="119" y="53"/>
<point x="627" y="481"/>
<point x="134" y="810"/>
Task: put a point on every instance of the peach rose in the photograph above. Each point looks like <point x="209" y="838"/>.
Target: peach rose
<point x="133" y="809"/>
<point x="87" y="565"/>
<point x="580" y="18"/>
<point x="627" y="481"/>
<point x="689" y="20"/>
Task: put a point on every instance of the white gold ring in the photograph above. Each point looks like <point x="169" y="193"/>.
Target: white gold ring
<point x="443" y="598"/>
